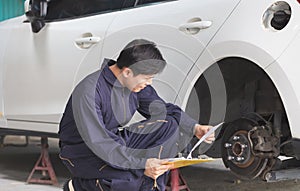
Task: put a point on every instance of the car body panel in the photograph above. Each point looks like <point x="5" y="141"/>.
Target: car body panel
<point x="285" y="74"/>
<point x="180" y="48"/>
<point x="49" y="66"/>
<point x="265" y="47"/>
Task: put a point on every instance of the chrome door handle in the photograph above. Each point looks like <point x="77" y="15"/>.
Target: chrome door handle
<point x="86" y="42"/>
<point x="195" y="27"/>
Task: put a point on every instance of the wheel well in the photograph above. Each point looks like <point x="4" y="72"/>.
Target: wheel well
<point x="249" y="89"/>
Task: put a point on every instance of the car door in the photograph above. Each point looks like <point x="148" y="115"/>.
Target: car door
<point x="181" y="29"/>
<point x="42" y="68"/>
<point x="4" y="34"/>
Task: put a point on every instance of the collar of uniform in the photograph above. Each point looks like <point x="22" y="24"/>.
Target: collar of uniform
<point x="109" y="75"/>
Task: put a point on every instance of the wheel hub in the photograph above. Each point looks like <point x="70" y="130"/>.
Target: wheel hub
<point x="238" y="149"/>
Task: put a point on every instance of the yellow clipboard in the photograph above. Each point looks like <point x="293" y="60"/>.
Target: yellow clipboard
<point x="181" y="162"/>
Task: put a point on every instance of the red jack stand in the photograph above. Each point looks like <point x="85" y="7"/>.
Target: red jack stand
<point x="43" y="164"/>
<point x="176" y="181"/>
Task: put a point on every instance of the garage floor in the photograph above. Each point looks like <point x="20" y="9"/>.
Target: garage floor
<point x="17" y="162"/>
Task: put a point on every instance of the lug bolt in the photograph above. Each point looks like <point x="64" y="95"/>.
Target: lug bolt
<point x="227" y="145"/>
<point x="244" y="146"/>
<point x="235" y="138"/>
<point x="240" y="159"/>
<point x="230" y="158"/>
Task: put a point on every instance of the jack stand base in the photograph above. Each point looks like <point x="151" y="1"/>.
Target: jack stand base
<point x="176" y="181"/>
<point x="285" y="174"/>
<point x="43" y="164"/>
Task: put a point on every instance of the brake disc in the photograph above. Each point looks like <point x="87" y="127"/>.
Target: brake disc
<point x="237" y="151"/>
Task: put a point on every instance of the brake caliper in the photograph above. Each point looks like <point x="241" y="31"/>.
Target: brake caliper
<point x="263" y="142"/>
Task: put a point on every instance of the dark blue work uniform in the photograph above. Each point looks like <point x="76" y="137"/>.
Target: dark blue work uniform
<point x="97" y="153"/>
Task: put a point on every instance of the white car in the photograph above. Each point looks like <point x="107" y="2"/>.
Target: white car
<point x="228" y="60"/>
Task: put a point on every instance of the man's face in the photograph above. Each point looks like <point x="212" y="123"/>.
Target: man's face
<point x="138" y="82"/>
<point x="142" y="81"/>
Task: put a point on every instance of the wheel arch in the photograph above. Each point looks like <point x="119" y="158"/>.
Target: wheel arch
<point x="238" y="72"/>
<point x="262" y="85"/>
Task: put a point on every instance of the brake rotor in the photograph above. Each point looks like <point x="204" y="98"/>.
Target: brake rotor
<point x="237" y="150"/>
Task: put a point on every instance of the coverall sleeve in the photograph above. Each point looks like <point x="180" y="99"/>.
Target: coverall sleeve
<point x="150" y="104"/>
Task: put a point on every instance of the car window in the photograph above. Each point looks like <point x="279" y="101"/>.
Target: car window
<point x="143" y="2"/>
<point x="129" y="3"/>
<point x="62" y="9"/>
<point x="137" y="3"/>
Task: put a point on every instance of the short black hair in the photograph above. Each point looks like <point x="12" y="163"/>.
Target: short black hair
<point x="142" y="57"/>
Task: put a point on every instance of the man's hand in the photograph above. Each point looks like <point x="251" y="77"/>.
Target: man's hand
<point x="201" y="130"/>
<point x="156" y="167"/>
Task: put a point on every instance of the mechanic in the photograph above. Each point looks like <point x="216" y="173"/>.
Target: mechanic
<point x="97" y="147"/>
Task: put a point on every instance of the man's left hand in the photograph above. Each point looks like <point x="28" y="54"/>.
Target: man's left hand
<point x="201" y="130"/>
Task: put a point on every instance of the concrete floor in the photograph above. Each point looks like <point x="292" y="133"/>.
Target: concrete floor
<point x="17" y="162"/>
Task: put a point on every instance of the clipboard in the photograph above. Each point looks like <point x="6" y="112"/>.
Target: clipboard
<point x="181" y="162"/>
